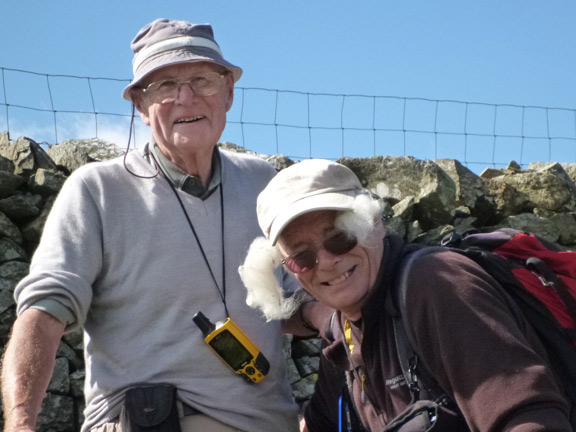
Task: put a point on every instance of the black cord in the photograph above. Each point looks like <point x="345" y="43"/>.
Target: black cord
<point x="128" y="148"/>
<point x="221" y="292"/>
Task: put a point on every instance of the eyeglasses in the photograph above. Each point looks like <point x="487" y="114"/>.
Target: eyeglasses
<point x="167" y="91"/>
<point x="339" y="243"/>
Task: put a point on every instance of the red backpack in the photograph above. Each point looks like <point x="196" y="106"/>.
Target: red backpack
<point x="535" y="273"/>
<point x="540" y="267"/>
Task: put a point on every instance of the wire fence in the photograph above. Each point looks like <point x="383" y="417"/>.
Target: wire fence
<point x="53" y="108"/>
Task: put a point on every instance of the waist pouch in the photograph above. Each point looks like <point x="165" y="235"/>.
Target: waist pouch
<point x="152" y="408"/>
<point x="427" y="415"/>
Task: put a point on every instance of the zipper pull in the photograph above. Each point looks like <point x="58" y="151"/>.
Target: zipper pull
<point x="545" y="282"/>
<point x="363" y="394"/>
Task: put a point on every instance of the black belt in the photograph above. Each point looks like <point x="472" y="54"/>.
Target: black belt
<point x="189" y="411"/>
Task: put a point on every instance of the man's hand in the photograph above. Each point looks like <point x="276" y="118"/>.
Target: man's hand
<point x="309" y="320"/>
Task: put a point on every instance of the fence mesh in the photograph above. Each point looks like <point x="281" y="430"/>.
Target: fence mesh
<point x="53" y="108"/>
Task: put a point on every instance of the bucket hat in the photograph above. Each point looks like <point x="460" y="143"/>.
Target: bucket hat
<point x="165" y="42"/>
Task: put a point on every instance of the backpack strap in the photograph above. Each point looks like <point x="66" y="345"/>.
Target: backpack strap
<point x="420" y="381"/>
<point x="549" y="278"/>
<point x="348" y="411"/>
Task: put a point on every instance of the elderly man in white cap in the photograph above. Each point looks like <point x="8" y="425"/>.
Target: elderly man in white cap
<point x="136" y="247"/>
<point x="327" y="229"/>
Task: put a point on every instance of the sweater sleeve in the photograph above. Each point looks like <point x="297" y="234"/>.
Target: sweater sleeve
<point x="69" y="256"/>
<point x="480" y="349"/>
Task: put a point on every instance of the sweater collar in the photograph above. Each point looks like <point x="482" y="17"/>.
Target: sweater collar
<point x="181" y="180"/>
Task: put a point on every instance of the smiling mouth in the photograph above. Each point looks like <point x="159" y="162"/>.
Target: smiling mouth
<point x="189" y="120"/>
<point x="344" y="276"/>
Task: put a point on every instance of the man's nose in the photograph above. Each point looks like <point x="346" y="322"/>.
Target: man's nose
<point x="325" y="259"/>
<point x="185" y="91"/>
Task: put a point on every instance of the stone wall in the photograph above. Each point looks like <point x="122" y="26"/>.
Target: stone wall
<point x="425" y="200"/>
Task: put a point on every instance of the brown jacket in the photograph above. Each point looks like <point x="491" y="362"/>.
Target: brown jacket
<point x="473" y="342"/>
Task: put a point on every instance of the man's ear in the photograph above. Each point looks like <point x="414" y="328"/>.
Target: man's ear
<point x="141" y="107"/>
<point x="144" y="116"/>
<point x="230" y="91"/>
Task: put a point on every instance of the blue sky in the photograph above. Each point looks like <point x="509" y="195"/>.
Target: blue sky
<point x="516" y="52"/>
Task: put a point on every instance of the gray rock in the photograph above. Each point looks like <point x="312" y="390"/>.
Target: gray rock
<point x="567" y="223"/>
<point x="225" y="145"/>
<point x="75" y="340"/>
<point x="532" y="223"/>
<point x="405" y="209"/>
<point x="396" y="225"/>
<point x="11" y="251"/>
<point x="77" y="384"/>
<point x="46" y="182"/>
<point x="6" y="300"/>
<point x="306" y="348"/>
<point x="514" y="166"/>
<point x="32" y="230"/>
<point x="570" y="169"/>
<point x="548" y="187"/>
<point x="4" y="139"/>
<point x="509" y="200"/>
<point x="72" y="154"/>
<point x="65" y="351"/>
<point x="435" y="235"/>
<point x="413" y="231"/>
<point x="60" y="382"/>
<point x="57" y="414"/>
<point x="279" y="161"/>
<point x="292" y="371"/>
<point x="9" y="229"/>
<point x="20" y="207"/>
<point x="395" y="178"/>
<point x="14" y="270"/>
<point x="490" y="173"/>
<point x="6" y="165"/>
<point x="304" y="388"/>
<point x="7" y="318"/>
<point x="461" y="225"/>
<point x="307" y="365"/>
<point x="11" y="273"/>
<point x="471" y="191"/>
<point x="27" y="156"/>
<point x="9" y="183"/>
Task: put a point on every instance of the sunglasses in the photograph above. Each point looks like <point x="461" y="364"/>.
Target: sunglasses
<point x="339" y="243"/>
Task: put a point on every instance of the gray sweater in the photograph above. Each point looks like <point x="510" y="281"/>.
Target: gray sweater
<point x="118" y="251"/>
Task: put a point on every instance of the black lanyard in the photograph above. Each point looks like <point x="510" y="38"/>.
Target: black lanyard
<point x="221" y="292"/>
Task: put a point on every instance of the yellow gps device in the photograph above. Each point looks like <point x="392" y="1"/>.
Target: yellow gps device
<point x="234" y="348"/>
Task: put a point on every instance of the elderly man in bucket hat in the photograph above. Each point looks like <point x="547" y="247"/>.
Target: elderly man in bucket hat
<point x="135" y="248"/>
<point x="328" y="230"/>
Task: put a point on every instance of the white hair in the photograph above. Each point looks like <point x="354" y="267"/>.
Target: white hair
<point x="360" y="220"/>
<point x="259" y="276"/>
<point x="258" y="273"/>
